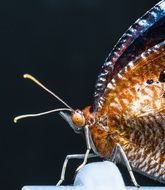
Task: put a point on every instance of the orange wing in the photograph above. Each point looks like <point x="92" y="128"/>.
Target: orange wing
<point x="134" y="103"/>
<point x="139" y="88"/>
<point x="129" y="106"/>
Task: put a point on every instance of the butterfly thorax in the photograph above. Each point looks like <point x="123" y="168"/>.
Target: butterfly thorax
<point x="104" y="135"/>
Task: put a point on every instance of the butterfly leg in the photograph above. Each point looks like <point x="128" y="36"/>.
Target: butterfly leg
<point x="118" y="155"/>
<point x="86" y="131"/>
<point x="68" y="157"/>
<point x="78" y="156"/>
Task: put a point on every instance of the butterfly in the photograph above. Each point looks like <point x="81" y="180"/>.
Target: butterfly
<point x="127" y="120"/>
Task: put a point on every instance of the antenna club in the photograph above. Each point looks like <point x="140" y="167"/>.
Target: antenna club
<point x="15" y="120"/>
<point x="25" y="76"/>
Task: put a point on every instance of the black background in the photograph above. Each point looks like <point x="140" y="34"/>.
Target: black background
<point x="62" y="43"/>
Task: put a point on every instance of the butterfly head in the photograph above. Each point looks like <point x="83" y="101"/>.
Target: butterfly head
<point x="75" y="119"/>
<point x="78" y="119"/>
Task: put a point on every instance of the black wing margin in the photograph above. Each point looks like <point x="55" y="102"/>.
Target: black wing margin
<point x="146" y="32"/>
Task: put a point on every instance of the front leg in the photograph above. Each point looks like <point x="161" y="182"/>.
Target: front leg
<point x="86" y="131"/>
<point x="117" y="154"/>
<point x="68" y="157"/>
<point x="78" y="156"/>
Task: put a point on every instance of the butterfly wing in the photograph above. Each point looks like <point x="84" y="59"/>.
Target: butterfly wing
<point x="146" y="152"/>
<point x="130" y="93"/>
<point x="134" y="103"/>
<point x="143" y="34"/>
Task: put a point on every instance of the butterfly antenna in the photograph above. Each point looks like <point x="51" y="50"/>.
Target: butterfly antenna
<point x="39" y="114"/>
<point x="28" y="76"/>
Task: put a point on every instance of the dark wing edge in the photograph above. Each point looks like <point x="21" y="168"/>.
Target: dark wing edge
<point x="134" y="32"/>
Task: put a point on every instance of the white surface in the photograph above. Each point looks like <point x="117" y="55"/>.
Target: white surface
<point x="82" y="188"/>
<point x="95" y="176"/>
<point x="100" y="175"/>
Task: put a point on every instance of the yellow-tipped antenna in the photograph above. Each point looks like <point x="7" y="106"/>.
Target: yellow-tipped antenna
<point x="28" y="76"/>
<point x="39" y="114"/>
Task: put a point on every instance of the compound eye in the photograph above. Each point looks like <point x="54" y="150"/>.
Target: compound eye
<point x="78" y="118"/>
